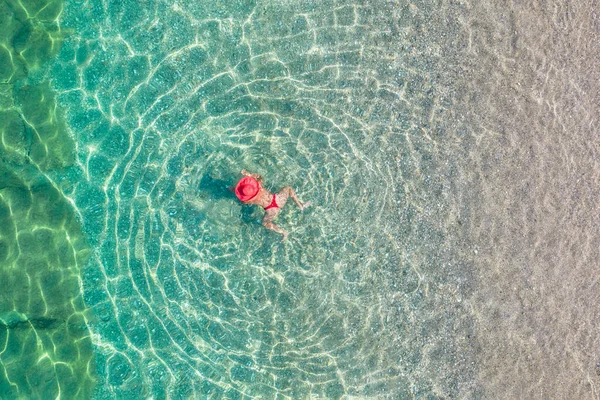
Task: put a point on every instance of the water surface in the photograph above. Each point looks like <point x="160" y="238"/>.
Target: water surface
<point x="447" y="148"/>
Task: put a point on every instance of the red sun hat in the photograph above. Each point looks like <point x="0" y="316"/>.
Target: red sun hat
<point x="247" y="188"/>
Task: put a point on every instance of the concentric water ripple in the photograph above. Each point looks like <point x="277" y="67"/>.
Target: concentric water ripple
<point x="344" y="102"/>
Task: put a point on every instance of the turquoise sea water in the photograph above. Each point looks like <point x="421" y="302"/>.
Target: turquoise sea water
<point x="132" y="270"/>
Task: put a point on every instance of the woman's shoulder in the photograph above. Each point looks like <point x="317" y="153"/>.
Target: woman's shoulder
<point x="261" y="198"/>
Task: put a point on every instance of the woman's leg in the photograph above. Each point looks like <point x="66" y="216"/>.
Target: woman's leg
<point x="284" y="194"/>
<point x="267" y="221"/>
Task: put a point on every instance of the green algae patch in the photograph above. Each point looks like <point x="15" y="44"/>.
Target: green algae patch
<point x="48" y="143"/>
<point x="29" y="35"/>
<point x="45" y="346"/>
<point x="46" y="349"/>
<point x="36" y="133"/>
<point x="13" y="142"/>
<point x="32" y="125"/>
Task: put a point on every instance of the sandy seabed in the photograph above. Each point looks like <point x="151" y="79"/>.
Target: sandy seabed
<point x="534" y="103"/>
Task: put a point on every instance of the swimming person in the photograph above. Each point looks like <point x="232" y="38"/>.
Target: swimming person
<point x="250" y="191"/>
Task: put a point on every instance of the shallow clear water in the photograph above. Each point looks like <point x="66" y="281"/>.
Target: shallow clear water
<point x="438" y="143"/>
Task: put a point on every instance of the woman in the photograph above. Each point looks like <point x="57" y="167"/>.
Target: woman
<point x="250" y="191"/>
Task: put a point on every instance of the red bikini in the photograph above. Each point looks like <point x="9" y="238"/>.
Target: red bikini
<point x="273" y="204"/>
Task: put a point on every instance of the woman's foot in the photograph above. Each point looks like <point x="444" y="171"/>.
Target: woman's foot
<point x="303" y="207"/>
